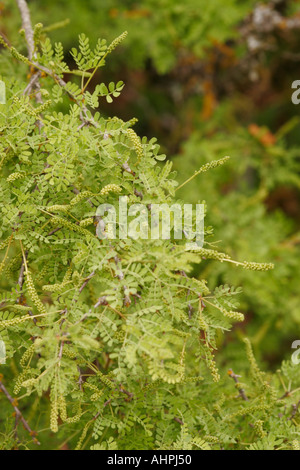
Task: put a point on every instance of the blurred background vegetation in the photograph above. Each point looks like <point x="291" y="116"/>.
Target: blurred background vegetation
<point x="209" y="79"/>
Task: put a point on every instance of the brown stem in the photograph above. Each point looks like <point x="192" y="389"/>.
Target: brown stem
<point x="32" y="83"/>
<point x="295" y="408"/>
<point x="27" y="26"/>
<point x="86" y="281"/>
<point x="178" y="420"/>
<point x="53" y="231"/>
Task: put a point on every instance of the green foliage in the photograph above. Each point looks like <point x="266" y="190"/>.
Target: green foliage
<point x="161" y="30"/>
<point x="112" y="344"/>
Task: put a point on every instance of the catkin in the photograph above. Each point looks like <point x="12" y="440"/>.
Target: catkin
<point x="17" y="55"/>
<point x="14" y="321"/>
<point x="29" y="382"/>
<point x="27" y="354"/>
<point x="58" y="208"/>
<point x="258" y="266"/>
<point x="211" y="363"/>
<point x="258" y="426"/>
<point x="2" y="266"/>
<point x="233" y="315"/>
<point x="105" y="380"/>
<point x="19" y="381"/>
<point x="86" y="222"/>
<point x="110" y="188"/>
<point x="212" y="254"/>
<point x="54" y="417"/>
<point x="14" y="176"/>
<point x="83" y="435"/>
<point x="79" y="197"/>
<point x="116" y="42"/>
<point x="296" y="445"/>
<point x="97" y="393"/>
<point x="5" y="243"/>
<point x="71" y="226"/>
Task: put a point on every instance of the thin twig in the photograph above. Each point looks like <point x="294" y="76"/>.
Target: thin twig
<point x="27" y="26"/>
<point x="19" y="415"/>
<point x="101" y="301"/>
<point x="21" y="275"/>
<point x="86" y="281"/>
<point x="178" y="420"/>
<point x="53" y="231"/>
<point x="26" y="23"/>
<point x="32" y="83"/>
<point x="236" y="379"/>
